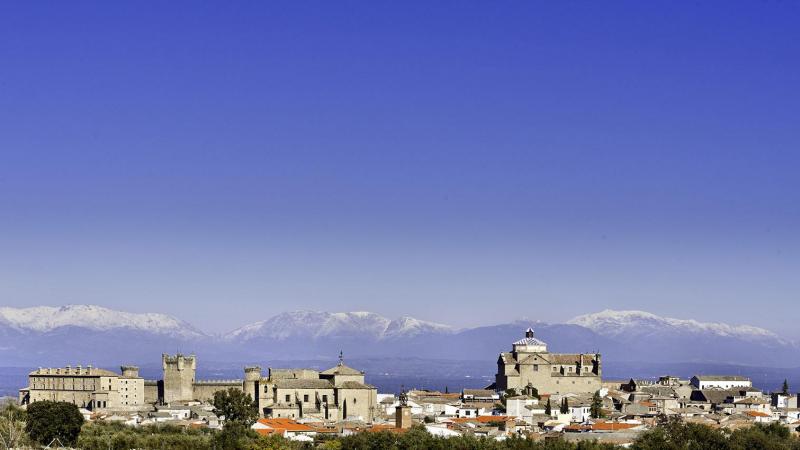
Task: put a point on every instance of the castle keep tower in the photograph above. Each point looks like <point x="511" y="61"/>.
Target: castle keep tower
<point x="128" y="371"/>
<point x="252" y="376"/>
<point x="179" y="376"/>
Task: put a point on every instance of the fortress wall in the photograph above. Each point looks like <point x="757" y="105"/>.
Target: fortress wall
<point x="204" y="390"/>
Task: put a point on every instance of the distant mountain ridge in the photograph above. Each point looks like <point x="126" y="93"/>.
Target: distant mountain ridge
<point x="43" y="319"/>
<point x="94" y="334"/>
<point x="323" y="324"/>
<point x="615" y="323"/>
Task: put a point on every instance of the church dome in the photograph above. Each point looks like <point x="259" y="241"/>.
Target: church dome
<point x="530" y="343"/>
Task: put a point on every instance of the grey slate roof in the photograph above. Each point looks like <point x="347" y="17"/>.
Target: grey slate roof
<point x="303" y="384"/>
<point x="722" y="378"/>
<point x="355" y="385"/>
<point x="479" y="392"/>
<point x="341" y="369"/>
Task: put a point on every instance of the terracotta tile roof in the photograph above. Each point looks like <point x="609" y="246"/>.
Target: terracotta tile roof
<point x="612" y="426"/>
<point x="269" y="431"/>
<point x="285" y="424"/>
<point x="462" y="419"/>
<point x="756" y="414"/>
<point x="489" y="419"/>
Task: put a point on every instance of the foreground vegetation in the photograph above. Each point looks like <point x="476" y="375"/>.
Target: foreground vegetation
<point x="40" y="425"/>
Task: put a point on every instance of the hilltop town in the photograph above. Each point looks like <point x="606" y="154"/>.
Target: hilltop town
<point x="536" y="395"/>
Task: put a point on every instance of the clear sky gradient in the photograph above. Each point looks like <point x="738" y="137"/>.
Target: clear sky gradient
<point x="461" y="162"/>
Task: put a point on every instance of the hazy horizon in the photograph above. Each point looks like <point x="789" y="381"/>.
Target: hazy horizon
<point x="458" y="162"/>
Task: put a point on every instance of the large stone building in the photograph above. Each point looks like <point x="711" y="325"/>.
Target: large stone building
<point x="87" y="387"/>
<point x="529" y="364"/>
<point x="338" y="393"/>
<point x="335" y="394"/>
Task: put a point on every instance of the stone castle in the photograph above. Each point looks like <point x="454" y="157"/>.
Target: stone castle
<point x="335" y="394"/>
<point x="530" y="365"/>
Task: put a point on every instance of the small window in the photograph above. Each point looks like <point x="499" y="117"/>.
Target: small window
<point x="325" y="398"/>
<point x="305" y="398"/>
<point x="288" y="398"/>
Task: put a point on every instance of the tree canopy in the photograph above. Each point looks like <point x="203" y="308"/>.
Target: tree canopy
<point x="48" y="421"/>
<point x="235" y="406"/>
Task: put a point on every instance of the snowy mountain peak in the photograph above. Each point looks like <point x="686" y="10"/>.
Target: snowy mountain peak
<point x="613" y="323"/>
<point x="48" y="318"/>
<point x="318" y="324"/>
<point x="409" y="327"/>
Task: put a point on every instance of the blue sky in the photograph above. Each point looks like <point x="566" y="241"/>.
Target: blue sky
<point x="462" y="162"/>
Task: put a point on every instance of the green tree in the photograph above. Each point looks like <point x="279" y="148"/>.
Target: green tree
<point x="564" y="405"/>
<point x="12" y="427"/>
<point x="548" y="408"/>
<point x="673" y="434"/>
<point x="785" y="389"/>
<point x="235" y="406"/>
<point x="47" y="421"/>
<point x="596" y="409"/>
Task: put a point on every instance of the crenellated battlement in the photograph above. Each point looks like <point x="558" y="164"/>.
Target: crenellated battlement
<point x="207" y="382"/>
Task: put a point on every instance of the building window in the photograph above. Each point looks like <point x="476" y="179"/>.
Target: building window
<point x="325" y="398"/>
<point x="535" y="367"/>
<point x="288" y="398"/>
<point x="266" y="389"/>
<point x="305" y="397"/>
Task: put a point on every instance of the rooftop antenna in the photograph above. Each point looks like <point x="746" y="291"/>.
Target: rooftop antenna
<point x="341" y="358"/>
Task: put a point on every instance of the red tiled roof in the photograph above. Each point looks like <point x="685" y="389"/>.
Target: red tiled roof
<point x="462" y="419"/>
<point x="268" y="431"/>
<point x="285" y="424"/>
<point x="488" y="419"/>
<point x="612" y="426"/>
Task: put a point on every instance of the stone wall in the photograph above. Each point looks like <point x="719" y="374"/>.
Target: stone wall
<point x="204" y="390"/>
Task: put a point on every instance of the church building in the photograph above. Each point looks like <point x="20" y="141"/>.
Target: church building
<point x="530" y="365"/>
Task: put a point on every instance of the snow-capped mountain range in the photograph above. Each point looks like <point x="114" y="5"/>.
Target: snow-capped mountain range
<point x="318" y="324"/>
<point x="49" y="335"/>
<point x="43" y="319"/>
<point x="636" y="323"/>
